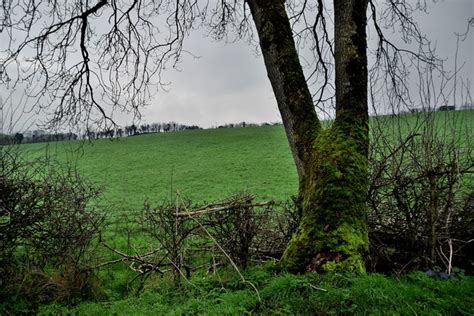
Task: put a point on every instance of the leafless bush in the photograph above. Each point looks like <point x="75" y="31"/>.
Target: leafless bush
<point x="280" y="222"/>
<point x="47" y="228"/>
<point x="236" y="227"/>
<point x="183" y="235"/>
<point x="171" y="232"/>
<point x="417" y="191"/>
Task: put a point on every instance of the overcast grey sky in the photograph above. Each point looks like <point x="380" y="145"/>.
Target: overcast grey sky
<point x="228" y="82"/>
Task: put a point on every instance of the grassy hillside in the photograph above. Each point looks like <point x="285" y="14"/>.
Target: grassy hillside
<point x="206" y="165"/>
<point x="203" y="165"/>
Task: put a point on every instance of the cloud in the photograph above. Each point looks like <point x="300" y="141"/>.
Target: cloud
<point x="228" y="82"/>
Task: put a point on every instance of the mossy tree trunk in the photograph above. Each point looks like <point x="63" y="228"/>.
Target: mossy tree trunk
<point x="331" y="163"/>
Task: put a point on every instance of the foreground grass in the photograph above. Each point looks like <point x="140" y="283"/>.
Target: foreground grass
<point x="289" y="294"/>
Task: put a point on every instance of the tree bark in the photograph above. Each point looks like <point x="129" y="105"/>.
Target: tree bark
<point x="331" y="163"/>
<point x="286" y="76"/>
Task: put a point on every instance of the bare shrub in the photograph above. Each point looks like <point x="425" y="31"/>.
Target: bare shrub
<point x="417" y="190"/>
<point x="183" y="234"/>
<point x="47" y="229"/>
<point x="236" y="226"/>
<point x="170" y="232"/>
<point x="280" y="221"/>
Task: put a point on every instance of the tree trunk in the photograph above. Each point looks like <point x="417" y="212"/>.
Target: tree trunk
<point x="331" y="163"/>
<point x="286" y="76"/>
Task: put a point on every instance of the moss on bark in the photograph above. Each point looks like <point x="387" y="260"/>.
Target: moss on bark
<point x="332" y="235"/>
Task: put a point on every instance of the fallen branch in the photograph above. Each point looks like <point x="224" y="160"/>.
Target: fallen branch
<point x="143" y="267"/>
<point x="207" y="210"/>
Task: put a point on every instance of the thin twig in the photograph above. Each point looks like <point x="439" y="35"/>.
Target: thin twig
<point x="225" y="253"/>
<point x="218" y="209"/>
<point x="317" y="288"/>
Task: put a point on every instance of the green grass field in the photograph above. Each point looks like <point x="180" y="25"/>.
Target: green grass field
<point x="209" y="165"/>
<point x="203" y="165"/>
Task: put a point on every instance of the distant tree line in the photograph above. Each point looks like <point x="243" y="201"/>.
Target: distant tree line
<point x="442" y="108"/>
<point x="245" y="124"/>
<point x="38" y="136"/>
<point x="134" y="130"/>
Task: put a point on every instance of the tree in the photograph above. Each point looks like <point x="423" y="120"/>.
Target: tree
<point x="332" y="163"/>
<point x="133" y="130"/>
<point x="18" y="138"/>
<point x="119" y="65"/>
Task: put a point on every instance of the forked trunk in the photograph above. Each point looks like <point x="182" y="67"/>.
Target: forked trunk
<point x="332" y="163"/>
